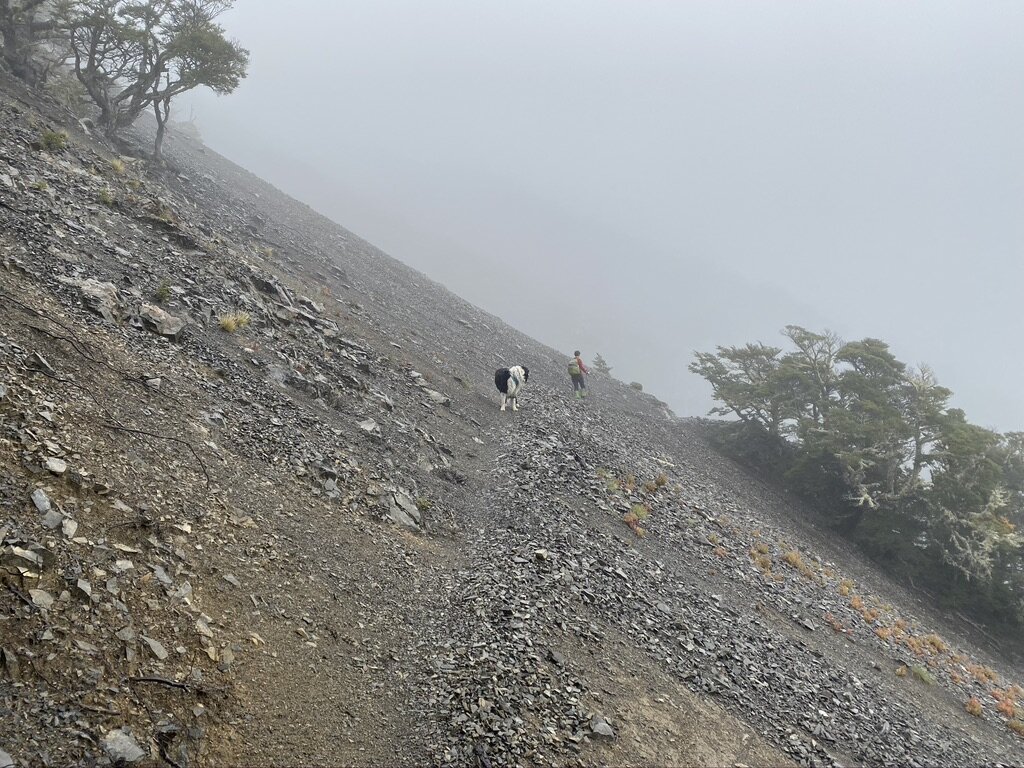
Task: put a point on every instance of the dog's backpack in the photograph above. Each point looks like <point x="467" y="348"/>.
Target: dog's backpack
<point x="574" y="367"/>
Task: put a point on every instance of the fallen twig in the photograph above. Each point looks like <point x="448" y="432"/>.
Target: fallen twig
<point x="161" y="681"/>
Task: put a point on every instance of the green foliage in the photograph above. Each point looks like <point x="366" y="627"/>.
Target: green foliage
<point x="53" y="141"/>
<point x="874" y="442"/>
<point x="162" y="292"/>
<point x="601" y="366"/>
<point x="134" y="55"/>
<point x="106" y="197"/>
<point x="922" y="674"/>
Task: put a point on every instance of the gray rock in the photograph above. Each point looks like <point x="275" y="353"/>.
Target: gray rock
<point x="53" y="519"/>
<point x="156" y="647"/>
<point x="56" y="466"/>
<point x="438" y="397"/>
<point x="41" y="598"/>
<point x="121" y="747"/>
<point x="101" y="298"/>
<point x="600" y="727"/>
<point x="6" y="761"/>
<point x="41" y="500"/>
<point x="161" y="322"/>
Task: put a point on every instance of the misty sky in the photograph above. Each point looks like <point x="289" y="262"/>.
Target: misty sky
<point x="643" y="179"/>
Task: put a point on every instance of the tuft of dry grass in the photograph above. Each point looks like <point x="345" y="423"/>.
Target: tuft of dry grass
<point x="661" y="480"/>
<point x="1017" y="727"/>
<point x="117" y="166"/>
<point x="973" y="706"/>
<point x="721" y="552"/>
<point x="937" y="643"/>
<point x="845" y="587"/>
<point x="650" y="486"/>
<point x="634" y="517"/>
<point x="902" y="671"/>
<point x="857" y="603"/>
<point x="833" y="622"/>
<point x="233" y="321"/>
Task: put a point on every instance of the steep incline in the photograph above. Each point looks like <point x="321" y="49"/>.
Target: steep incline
<point x="260" y="508"/>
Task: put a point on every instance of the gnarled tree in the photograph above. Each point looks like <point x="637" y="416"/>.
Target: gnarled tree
<point x="136" y="55"/>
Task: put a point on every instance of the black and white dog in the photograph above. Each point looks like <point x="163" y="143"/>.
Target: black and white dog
<point x="510" y="382"/>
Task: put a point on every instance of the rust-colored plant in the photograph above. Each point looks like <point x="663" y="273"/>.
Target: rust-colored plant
<point x="973" y="706"/>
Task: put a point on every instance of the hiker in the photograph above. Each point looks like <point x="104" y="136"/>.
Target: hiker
<point x="576" y="372"/>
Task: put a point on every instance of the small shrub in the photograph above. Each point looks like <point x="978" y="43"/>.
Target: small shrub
<point x="721" y="552"/>
<point x="922" y="674"/>
<point x="633" y="518"/>
<point x="845" y="587"/>
<point x="902" y="671"/>
<point x="870" y="615"/>
<point x="233" y="321"/>
<point x="1007" y="709"/>
<point x="106" y="197"/>
<point x="162" y="292"/>
<point x="761" y="548"/>
<point x="764" y="562"/>
<point x="714" y="539"/>
<point x="857" y="603"/>
<point x="117" y="166"/>
<point x="53" y="141"/>
<point x="612" y="485"/>
<point x="629" y="483"/>
<point x="424" y="504"/>
<point x="973" y="706"/>
<point x="793" y="559"/>
<point x="884" y="633"/>
<point x="661" y="480"/>
<point x="40" y="186"/>
<point x="1017" y="727"/>
<point x="650" y="486"/>
<point x="937" y="643"/>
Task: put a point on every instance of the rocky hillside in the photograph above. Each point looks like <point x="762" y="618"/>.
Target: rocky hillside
<point x="260" y="508"/>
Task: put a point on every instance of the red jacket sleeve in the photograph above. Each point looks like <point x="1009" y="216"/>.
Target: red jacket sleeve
<point x="583" y="368"/>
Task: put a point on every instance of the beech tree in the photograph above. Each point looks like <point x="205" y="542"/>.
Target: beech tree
<point x="135" y="55"/>
<point x="876" y="444"/>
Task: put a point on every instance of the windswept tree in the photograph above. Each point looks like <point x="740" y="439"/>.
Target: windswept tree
<point x="601" y="366"/>
<point x="135" y="55"/>
<point x="877" y="445"/>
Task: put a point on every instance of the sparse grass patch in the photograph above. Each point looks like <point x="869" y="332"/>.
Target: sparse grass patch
<point x="1007" y="709"/>
<point x="106" y="197"/>
<point x="721" y="552"/>
<point x="162" y="292"/>
<point x="661" y="480"/>
<point x="650" y="486"/>
<point x="634" y="517"/>
<point x="233" y="321"/>
<point x="40" y="186"/>
<point x="884" y="633"/>
<point x="857" y="603"/>
<point x="423" y="504"/>
<point x="845" y="587"/>
<point x="982" y="674"/>
<point x="1017" y="727"/>
<point x="629" y="483"/>
<point x="612" y="485"/>
<point x="973" y="706"/>
<point x="915" y="645"/>
<point x="761" y="548"/>
<point x="53" y="141"/>
<point x="714" y="539"/>
<point x="937" y="643"/>
<point x="902" y="671"/>
<point x="922" y="674"/>
<point x="117" y="166"/>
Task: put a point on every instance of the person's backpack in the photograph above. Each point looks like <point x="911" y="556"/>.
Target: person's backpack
<point x="574" y="368"/>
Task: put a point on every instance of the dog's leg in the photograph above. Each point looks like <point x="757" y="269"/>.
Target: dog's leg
<point x="503" y="398"/>
<point x="515" y="403"/>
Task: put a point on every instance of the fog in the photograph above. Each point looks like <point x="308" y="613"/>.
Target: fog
<point x="643" y="179"/>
